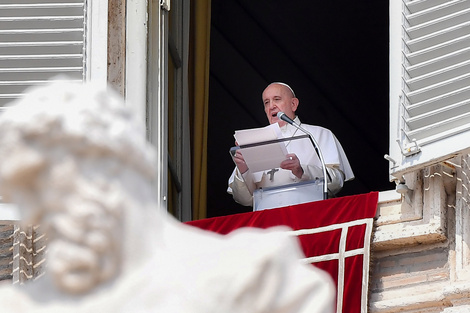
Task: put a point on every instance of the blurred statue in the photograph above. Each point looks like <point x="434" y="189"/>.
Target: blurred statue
<point x="74" y="159"/>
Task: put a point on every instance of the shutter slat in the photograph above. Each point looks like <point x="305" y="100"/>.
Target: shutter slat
<point x="439" y="37"/>
<point x="447" y="60"/>
<point x="445" y="48"/>
<point x="64" y="31"/>
<point x="442" y="100"/>
<point x="38" y="57"/>
<point x="428" y="80"/>
<point x="40" y="18"/>
<point x="44" y="22"/>
<point x="41" y="44"/>
<point x="10" y="96"/>
<point x="413" y="6"/>
<point x="436" y="131"/>
<point x="438" y="115"/>
<point x="444" y="22"/>
<point x="422" y="5"/>
<point x="40" y="69"/>
<point x="22" y="6"/>
<point x="433" y="13"/>
<point x="23" y="83"/>
<point x="445" y="87"/>
<point x="53" y="63"/>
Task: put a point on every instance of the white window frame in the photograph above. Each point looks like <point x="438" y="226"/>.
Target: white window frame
<point x="406" y="156"/>
<point x="147" y="80"/>
<point x="147" y="88"/>
<point x="96" y="63"/>
<point x="157" y="93"/>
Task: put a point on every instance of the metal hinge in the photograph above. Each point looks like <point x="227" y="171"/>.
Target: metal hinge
<point x="409" y="149"/>
<point x="165" y="5"/>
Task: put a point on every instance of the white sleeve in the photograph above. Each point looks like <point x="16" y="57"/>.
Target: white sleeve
<point x="238" y="187"/>
<point x="312" y="172"/>
<point x="336" y="175"/>
<point x="337" y="179"/>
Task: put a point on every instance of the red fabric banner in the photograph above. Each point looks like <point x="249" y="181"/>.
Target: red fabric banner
<point x="334" y="234"/>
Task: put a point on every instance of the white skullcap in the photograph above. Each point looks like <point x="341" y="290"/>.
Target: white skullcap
<point x="284" y="84"/>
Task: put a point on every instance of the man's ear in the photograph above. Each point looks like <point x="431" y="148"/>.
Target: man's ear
<point x="294" y="104"/>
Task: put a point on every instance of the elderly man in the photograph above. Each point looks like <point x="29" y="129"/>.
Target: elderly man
<point x="75" y="160"/>
<point x="301" y="163"/>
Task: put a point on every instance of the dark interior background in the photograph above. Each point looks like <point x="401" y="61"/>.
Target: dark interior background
<point x="334" y="54"/>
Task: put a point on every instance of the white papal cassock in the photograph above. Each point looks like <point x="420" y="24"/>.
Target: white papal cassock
<point x="242" y="186"/>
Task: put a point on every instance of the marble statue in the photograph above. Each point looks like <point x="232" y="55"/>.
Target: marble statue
<point x="74" y="159"/>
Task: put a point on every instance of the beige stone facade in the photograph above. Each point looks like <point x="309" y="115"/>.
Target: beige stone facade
<point x="6" y="250"/>
<point x="22" y="252"/>
<point x="420" y="252"/>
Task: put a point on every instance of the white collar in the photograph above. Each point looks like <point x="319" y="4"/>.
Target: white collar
<point x="288" y="129"/>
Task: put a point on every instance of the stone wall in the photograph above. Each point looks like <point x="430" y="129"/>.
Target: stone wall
<point x="6" y="250"/>
<point x="117" y="43"/>
<point x="420" y="249"/>
<point x="22" y="252"/>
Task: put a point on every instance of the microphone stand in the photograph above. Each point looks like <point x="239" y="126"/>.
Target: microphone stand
<point x="287" y="119"/>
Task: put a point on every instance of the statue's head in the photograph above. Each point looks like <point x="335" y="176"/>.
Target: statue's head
<point x="64" y="149"/>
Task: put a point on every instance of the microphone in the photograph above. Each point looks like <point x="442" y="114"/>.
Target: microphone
<point x="285" y="118"/>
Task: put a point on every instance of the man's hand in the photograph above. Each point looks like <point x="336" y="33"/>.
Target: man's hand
<point x="292" y="163"/>
<point x="240" y="161"/>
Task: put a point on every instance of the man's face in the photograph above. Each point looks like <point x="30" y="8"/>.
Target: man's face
<point x="278" y="98"/>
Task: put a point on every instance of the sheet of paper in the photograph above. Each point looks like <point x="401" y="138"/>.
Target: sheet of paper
<point x="264" y="156"/>
<point x="254" y="135"/>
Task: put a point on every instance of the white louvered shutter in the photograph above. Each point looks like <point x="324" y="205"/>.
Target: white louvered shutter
<point x="40" y="39"/>
<point x="429" y="81"/>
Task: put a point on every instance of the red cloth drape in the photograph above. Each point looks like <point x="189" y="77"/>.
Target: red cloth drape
<point x="310" y="216"/>
<point x="307" y="215"/>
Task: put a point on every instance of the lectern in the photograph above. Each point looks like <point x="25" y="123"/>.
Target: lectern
<point x="282" y="196"/>
<point x="267" y="155"/>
